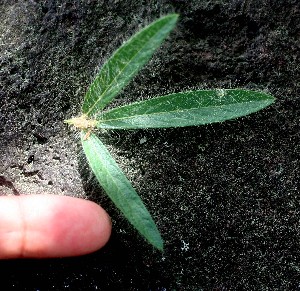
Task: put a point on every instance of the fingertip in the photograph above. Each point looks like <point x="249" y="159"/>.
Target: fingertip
<point x="78" y="227"/>
<point x="40" y="226"/>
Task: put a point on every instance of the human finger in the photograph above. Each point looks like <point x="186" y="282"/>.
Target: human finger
<point x="43" y="226"/>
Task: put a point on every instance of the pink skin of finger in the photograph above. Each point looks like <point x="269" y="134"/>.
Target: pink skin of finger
<point x="47" y="226"/>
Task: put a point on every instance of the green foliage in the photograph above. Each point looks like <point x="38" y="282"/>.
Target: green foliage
<point x="125" y="64"/>
<point x="174" y="110"/>
<point x="185" y="109"/>
<point x="119" y="189"/>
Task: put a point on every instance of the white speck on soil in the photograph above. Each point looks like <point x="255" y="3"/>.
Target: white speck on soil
<point x="185" y="246"/>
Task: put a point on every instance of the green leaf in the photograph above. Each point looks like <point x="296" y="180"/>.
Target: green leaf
<point x="185" y="109"/>
<point x="119" y="189"/>
<point x="125" y="63"/>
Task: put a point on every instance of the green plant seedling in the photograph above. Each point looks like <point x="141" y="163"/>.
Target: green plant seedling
<point x="189" y="108"/>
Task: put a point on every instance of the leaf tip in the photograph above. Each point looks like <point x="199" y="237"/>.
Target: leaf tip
<point x="173" y="16"/>
<point x="158" y="243"/>
<point x="160" y="247"/>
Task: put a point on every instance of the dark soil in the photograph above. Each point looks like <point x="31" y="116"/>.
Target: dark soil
<point x="225" y="196"/>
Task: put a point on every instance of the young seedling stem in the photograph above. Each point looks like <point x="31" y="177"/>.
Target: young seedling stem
<point x="83" y="123"/>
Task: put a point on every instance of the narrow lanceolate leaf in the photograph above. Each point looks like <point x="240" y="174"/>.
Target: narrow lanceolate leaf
<point x="125" y="63"/>
<point x="119" y="189"/>
<point x="185" y="109"/>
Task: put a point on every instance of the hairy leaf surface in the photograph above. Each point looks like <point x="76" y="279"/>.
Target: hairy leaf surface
<point x="119" y="189"/>
<point x="185" y="109"/>
<point x="125" y="63"/>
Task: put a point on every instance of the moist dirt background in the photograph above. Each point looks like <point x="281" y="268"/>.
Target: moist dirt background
<point x="225" y="196"/>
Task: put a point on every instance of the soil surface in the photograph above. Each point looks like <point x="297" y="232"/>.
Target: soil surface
<point x="225" y="196"/>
